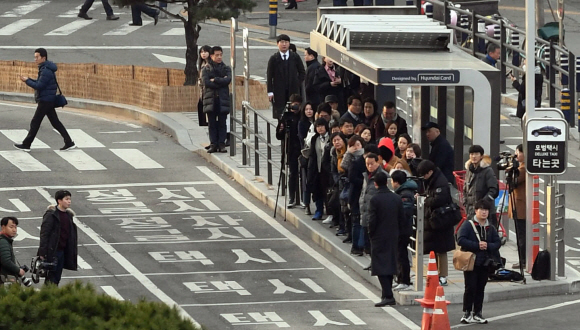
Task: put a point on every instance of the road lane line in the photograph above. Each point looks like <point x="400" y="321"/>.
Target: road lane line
<point x="126" y="29"/>
<point x="24" y="161"/>
<point x="136" y="158"/>
<point x="111" y="292"/>
<point x="82" y="263"/>
<point x="305" y="247"/>
<point x="17" y="26"/>
<point x="17" y="135"/>
<point x="529" y="311"/>
<point x="197" y="273"/>
<point x="80" y="160"/>
<point x="69" y="28"/>
<point x="83" y="140"/>
<point x="276" y="302"/>
<point x="126" y="264"/>
<point x="24" y="9"/>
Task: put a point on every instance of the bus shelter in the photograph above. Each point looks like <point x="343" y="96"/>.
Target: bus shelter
<point x="395" y="52"/>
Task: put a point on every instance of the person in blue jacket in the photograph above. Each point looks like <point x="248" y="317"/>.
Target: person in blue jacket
<point x="45" y="87"/>
<point x="480" y="237"/>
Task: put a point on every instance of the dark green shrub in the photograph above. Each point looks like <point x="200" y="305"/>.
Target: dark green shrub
<point x="78" y="306"/>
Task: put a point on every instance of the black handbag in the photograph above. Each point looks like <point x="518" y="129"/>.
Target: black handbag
<point x="59" y="100"/>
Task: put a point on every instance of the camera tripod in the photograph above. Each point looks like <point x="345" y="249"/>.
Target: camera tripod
<point x="283" y="175"/>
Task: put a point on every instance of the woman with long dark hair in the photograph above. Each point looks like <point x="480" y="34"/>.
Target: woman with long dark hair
<point x="202" y="61"/>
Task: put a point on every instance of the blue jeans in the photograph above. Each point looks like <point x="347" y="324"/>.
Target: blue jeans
<point x="384" y="2"/>
<point x="88" y="3"/>
<point x="336" y="3"/>
<point x="53" y="276"/>
<point x="217" y="124"/>
<point x="136" y="12"/>
<point x="367" y="2"/>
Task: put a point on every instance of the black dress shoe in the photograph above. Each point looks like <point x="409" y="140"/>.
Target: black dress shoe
<point x="348" y="239"/>
<point x="212" y="148"/>
<point x="386" y="302"/>
<point x="84" y="15"/>
<point x="356" y="252"/>
<point x="367" y="267"/>
<point x="156" y="18"/>
<point x="112" y="18"/>
<point x="135" y="24"/>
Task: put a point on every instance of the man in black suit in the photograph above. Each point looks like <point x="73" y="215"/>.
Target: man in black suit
<point x="312" y="94"/>
<point x="442" y="153"/>
<point x="284" y="75"/>
<point x="354" y="110"/>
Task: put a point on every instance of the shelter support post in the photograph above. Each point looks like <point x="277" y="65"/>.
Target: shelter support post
<point x="459" y="126"/>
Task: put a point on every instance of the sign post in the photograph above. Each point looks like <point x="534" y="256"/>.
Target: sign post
<point x="546" y="141"/>
<point x="560" y="12"/>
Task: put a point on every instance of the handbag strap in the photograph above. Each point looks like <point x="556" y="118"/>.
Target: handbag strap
<point x="57" y="86"/>
<point x="475" y="230"/>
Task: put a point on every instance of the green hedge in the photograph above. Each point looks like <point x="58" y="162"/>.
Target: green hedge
<point x="79" y="306"/>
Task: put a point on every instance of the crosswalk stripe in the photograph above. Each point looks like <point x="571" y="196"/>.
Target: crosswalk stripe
<point x="24" y="9"/>
<point x="69" y="28"/>
<point x="174" y="32"/>
<point x="82" y="263"/>
<point x="83" y="140"/>
<point x="111" y="292"/>
<point x="17" y="135"/>
<point x="126" y="29"/>
<point x="74" y="12"/>
<point x="17" y="26"/>
<point x="24" y="161"/>
<point x="80" y="160"/>
<point x="136" y="158"/>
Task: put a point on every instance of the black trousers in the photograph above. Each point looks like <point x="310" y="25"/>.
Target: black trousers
<point x="521" y="231"/>
<point x="386" y="286"/>
<point x="403" y="266"/>
<point x="45" y="109"/>
<point x="88" y="3"/>
<point x="217" y="124"/>
<point x="475" y="282"/>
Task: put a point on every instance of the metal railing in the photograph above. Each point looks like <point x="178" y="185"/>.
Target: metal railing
<point x="252" y="142"/>
<point x="468" y="37"/>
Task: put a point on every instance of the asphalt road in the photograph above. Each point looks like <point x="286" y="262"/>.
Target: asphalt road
<point x="162" y="224"/>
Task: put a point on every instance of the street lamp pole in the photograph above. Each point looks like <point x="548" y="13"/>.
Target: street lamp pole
<point x="530" y="113"/>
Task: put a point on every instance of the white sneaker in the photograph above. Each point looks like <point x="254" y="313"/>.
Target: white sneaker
<point x="478" y="318"/>
<point x="466" y="318"/>
<point x="402" y="287"/>
<point x="328" y="219"/>
<point x="443" y="281"/>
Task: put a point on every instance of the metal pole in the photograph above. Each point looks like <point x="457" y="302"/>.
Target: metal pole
<point x="551" y="226"/>
<point x="539" y="13"/>
<point x="530" y="113"/>
<point x="560" y="243"/>
<point x="246" y="47"/>
<point x="273" y="18"/>
<point x="233" y="30"/>
<point x="418" y="261"/>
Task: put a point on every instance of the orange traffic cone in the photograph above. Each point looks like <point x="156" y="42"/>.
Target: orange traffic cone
<point x="440" y="320"/>
<point x="428" y="300"/>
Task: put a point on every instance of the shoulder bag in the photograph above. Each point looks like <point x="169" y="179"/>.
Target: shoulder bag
<point x="465" y="260"/>
<point x="59" y="101"/>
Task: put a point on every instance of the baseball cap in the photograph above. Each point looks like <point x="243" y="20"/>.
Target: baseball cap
<point x="430" y="125"/>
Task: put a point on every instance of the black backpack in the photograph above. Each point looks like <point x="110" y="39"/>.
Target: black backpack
<point x="541" y="269"/>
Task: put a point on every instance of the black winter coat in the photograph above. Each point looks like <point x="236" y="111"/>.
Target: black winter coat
<point x="356" y="178"/>
<point x="438" y="233"/>
<point x="407" y="192"/>
<point x="291" y="119"/>
<point x="443" y="156"/>
<point x="8" y="264"/>
<point x="312" y="94"/>
<point x="386" y="216"/>
<point x="368" y="191"/>
<point x="45" y="85"/>
<point x="278" y="82"/>
<point x="319" y="181"/>
<point x="480" y="183"/>
<point x="222" y="77"/>
<point x="322" y="85"/>
<point x="355" y="121"/>
<point x="468" y="241"/>
<point x="50" y="235"/>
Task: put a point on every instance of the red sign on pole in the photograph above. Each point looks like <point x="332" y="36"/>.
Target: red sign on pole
<point x="560" y="10"/>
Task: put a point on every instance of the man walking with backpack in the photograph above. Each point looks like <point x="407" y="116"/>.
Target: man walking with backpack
<point x="45" y="87"/>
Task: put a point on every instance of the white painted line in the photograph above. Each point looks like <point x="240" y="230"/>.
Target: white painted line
<point x="210" y="205"/>
<point x="24" y="9"/>
<point x="127" y="265"/>
<point x="111" y="292"/>
<point x="273" y="302"/>
<point x="111" y="185"/>
<point x="174" y="32"/>
<point x="136" y="158"/>
<point x="17" y="26"/>
<point x="305" y="247"/>
<point x="119" y="132"/>
<point x="71" y="27"/>
<point x="19" y="205"/>
<point x="82" y="263"/>
<point x="84" y="140"/>
<point x="134" y="142"/>
<point x="352" y="317"/>
<point x="126" y="29"/>
<point x="312" y="285"/>
<point x="505" y="125"/>
<point x="24" y="161"/>
<point x="234" y="271"/>
<point x="17" y="135"/>
<point x="80" y="160"/>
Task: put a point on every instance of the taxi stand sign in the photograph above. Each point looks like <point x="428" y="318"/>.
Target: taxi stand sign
<point x="547" y="146"/>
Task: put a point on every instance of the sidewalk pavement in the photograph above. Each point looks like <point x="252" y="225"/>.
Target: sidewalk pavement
<point x="183" y="127"/>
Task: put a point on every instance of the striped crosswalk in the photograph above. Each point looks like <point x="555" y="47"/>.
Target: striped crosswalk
<point x="25" y="8"/>
<point x="82" y="158"/>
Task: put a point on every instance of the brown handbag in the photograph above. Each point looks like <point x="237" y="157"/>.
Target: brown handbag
<point x="465" y="260"/>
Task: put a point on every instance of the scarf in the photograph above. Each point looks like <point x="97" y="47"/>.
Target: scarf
<point x="340" y="155"/>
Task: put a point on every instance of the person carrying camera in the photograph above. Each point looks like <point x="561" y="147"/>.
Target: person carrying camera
<point x="517" y="201"/>
<point x="58" y="237"/>
<point x="287" y="131"/>
<point x="479" y="236"/>
<point x="8" y="264"/>
<point x="480" y="183"/>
